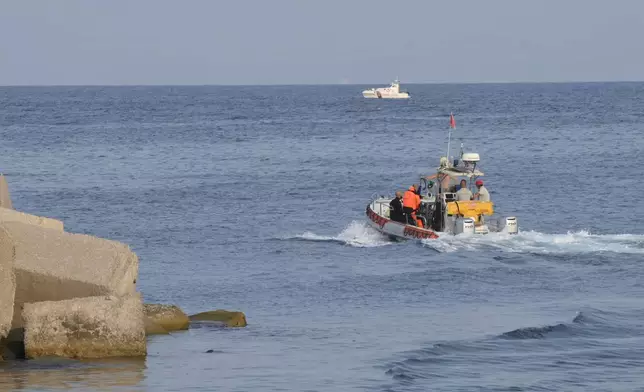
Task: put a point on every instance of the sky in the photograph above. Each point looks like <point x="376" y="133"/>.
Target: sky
<point x="246" y="42"/>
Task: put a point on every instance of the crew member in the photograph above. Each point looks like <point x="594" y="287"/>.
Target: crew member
<point x="463" y="193"/>
<point x="396" y="212"/>
<point x="482" y="194"/>
<point x="410" y="204"/>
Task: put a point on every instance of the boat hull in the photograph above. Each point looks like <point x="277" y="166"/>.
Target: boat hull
<point x="384" y="225"/>
<point x="376" y="94"/>
<point x="397" y="229"/>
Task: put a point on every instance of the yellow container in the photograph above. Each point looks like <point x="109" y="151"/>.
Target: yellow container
<point x="470" y="209"/>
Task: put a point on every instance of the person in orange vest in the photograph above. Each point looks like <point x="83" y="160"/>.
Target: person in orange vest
<point x="411" y="202"/>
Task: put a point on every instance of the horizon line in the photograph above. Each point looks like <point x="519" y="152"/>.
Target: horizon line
<point x="318" y="84"/>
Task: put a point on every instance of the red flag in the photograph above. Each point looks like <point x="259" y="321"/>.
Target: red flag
<point x="452" y="122"/>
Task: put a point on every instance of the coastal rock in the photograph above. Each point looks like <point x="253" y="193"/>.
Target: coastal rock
<point x="152" y="328"/>
<point x="9" y="215"/>
<point x="7" y="281"/>
<point x="53" y="265"/>
<point x="5" y="198"/>
<point x="169" y="317"/>
<point x="228" y="318"/>
<point x="91" y="327"/>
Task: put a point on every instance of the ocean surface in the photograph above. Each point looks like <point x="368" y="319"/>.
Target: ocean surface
<point x="253" y="199"/>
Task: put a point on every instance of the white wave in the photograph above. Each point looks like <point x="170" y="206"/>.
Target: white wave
<point x="357" y="234"/>
<point x="535" y="242"/>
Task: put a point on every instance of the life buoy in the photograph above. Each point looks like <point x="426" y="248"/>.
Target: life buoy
<point x="378" y="94"/>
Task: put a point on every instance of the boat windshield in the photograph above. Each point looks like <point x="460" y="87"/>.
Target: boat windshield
<point x="450" y="179"/>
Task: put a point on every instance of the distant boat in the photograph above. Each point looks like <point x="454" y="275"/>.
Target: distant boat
<point x="392" y="92"/>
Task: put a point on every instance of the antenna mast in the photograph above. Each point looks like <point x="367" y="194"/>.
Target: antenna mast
<point x="452" y="124"/>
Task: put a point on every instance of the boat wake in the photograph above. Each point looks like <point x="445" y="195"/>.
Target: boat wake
<point x="357" y="234"/>
<point x="541" y="243"/>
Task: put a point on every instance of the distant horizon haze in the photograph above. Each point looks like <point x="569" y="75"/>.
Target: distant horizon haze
<point x="290" y="42"/>
<point x="374" y="84"/>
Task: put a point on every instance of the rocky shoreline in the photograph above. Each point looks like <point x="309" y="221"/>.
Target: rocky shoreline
<point x="74" y="295"/>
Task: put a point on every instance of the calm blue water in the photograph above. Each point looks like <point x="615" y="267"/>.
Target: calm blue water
<point x="253" y="199"/>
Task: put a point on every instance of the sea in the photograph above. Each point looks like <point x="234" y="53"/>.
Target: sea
<point x="253" y="198"/>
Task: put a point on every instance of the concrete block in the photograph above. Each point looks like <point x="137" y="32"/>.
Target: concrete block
<point x="91" y="327"/>
<point x="5" y="198"/>
<point x="7" y="281"/>
<point x="53" y="265"/>
<point x="9" y="215"/>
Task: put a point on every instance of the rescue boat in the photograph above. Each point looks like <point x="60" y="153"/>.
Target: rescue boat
<point x="393" y="91"/>
<point x="440" y="212"/>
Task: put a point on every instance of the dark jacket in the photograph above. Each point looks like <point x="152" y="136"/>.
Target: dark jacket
<point x="396" y="213"/>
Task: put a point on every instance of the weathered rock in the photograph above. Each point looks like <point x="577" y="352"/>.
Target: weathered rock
<point x="9" y="215"/>
<point x="228" y="318"/>
<point x="169" y="317"/>
<point x="53" y="265"/>
<point x="5" y="198"/>
<point x="91" y="327"/>
<point x="152" y="328"/>
<point x="7" y="281"/>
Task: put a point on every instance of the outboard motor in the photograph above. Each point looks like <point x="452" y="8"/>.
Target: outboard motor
<point x="464" y="226"/>
<point x="512" y="225"/>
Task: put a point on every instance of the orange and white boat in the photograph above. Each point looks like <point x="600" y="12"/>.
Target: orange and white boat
<point x="440" y="212"/>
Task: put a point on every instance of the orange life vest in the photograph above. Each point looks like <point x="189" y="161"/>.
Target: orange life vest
<point x="409" y="198"/>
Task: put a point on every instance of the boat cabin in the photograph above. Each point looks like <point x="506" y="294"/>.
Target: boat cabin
<point x="441" y="208"/>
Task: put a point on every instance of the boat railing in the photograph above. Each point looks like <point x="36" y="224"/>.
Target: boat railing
<point x="382" y="212"/>
<point x="380" y="208"/>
